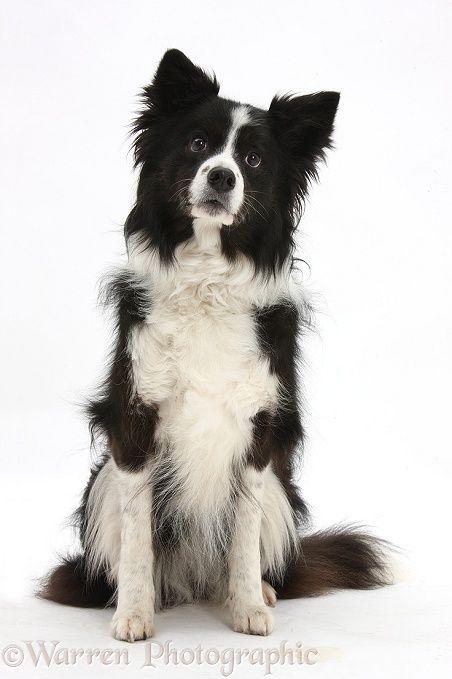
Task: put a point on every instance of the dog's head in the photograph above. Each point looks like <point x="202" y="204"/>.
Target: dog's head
<point x="245" y="169"/>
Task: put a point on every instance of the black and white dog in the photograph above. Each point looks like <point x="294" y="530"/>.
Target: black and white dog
<point x="195" y="494"/>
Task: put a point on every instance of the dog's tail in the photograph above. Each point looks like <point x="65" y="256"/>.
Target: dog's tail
<point x="342" y="557"/>
<point x="70" y="583"/>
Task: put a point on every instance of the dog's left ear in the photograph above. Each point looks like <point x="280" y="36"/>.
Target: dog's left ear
<point x="303" y="126"/>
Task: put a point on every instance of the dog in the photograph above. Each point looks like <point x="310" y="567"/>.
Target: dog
<point x="194" y="495"/>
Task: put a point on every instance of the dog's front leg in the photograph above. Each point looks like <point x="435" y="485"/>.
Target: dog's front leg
<point x="134" y="615"/>
<point x="249" y="612"/>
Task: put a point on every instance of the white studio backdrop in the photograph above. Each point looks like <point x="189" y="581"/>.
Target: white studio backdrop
<point x="376" y="233"/>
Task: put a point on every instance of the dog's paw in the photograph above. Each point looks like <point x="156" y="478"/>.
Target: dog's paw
<point x="269" y="594"/>
<point x="252" y="620"/>
<point x="132" y="626"/>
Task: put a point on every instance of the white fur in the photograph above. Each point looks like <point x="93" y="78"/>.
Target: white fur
<point x="103" y="530"/>
<point x="119" y="539"/>
<point x="278" y="532"/>
<point x="135" y="608"/>
<point x="225" y="158"/>
<point x="249" y="611"/>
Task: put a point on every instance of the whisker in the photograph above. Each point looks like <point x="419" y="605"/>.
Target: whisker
<point x="180" y="180"/>
<point x="259" y="203"/>
<point x="178" y="192"/>
<point x="255" y="209"/>
<point x="264" y="194"/>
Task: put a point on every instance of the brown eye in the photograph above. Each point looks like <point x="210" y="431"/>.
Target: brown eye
<point x="198" y="144"/>
<point x="253" y="159"/>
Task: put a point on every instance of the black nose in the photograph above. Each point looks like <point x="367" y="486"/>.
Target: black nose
<point x="221" y="179"/>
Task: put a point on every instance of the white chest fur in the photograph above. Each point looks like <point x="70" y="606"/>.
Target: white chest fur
<point x="197" y="357"/>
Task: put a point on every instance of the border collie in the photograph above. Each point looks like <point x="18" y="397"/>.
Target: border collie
<point x="195" y="493"/>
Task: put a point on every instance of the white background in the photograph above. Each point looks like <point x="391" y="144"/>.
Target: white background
<point x="376" y="233"/>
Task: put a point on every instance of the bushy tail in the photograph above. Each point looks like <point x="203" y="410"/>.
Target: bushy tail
<point x="341" y="557"/>
<point x="70" y="584"/>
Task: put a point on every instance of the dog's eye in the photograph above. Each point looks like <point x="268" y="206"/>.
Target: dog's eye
<point x="253" y="159"/>
<point x="198" y="144"/>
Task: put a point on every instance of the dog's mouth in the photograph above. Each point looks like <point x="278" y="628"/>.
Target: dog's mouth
<point x="214" y="203"/>
<point x="211" y="207"/>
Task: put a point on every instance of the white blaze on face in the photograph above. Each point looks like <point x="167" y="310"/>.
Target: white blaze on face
<point x="224" y="158"/>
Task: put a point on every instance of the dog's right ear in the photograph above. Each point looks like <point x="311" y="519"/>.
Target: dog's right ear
<point x="178" y="84"/>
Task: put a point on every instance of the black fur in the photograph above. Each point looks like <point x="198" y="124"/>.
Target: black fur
<point x="69" y="584"/>
<point x="279" y="437"/>
<point x="341" y="557"/>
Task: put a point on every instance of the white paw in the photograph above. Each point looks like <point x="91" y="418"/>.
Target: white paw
<point x="269" y="594"/>
<point x="132" y="626"/>
<point x="252" y="620"/>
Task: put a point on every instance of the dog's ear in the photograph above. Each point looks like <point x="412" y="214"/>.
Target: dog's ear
<point x="179" y="84"/>
<point x="303" y="126"/>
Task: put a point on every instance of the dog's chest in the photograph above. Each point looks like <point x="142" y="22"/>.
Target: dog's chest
<point x="198" y="349"/>
<point x="197" y="357"/>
